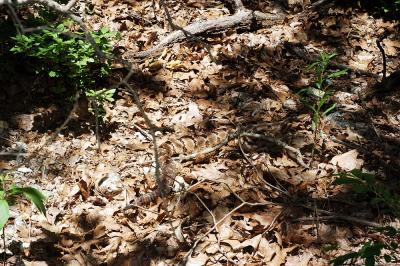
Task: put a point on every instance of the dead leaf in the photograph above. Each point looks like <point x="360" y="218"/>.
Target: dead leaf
<point x="347" y="161"/>
<point x="200" y="260"/>
<point x="189" y="118"/>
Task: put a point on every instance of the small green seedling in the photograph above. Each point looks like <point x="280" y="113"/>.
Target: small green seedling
<point x="10" y="192"/>
<point x="319" y="94"/>
<point x="99" y="97"/>
<point x="316" y="97"/>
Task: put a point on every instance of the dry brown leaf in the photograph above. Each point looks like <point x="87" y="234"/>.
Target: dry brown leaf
<point x="347" y="161"/>
<point x="99" y="231"/>
<point x="299" y="260"/>
<point x="189" y="118"/>
<point x="267" y="250"/>
<point x="199" y="260"/>
<point x="280" y="256"/>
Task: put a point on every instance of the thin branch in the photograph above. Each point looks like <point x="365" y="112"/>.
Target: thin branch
<point x="161" y="185"/>
<point x="238" y="4"/>
<point x="256" y="170"/>
<point x="187" y="34"/>
<point x="241" y="17"/>
<point x="343" y="217"/>
<point x="338" y="217"/>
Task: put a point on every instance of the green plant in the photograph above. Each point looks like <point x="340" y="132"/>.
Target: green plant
<point x="10" y="192"/>
<point x="99" y="98"/>
<point x="390" y="6"/>
<point x="366" y="186"/>
<point x="67" y="59"/>
<point x="319" y="94"/>
<point x="371" y="252"/>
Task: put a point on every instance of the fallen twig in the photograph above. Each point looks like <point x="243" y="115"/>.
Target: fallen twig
<point x="338" y="217"/>
<point x="244" y="203"/>
<point x="241" y="17"/>
<point x="344" y="217"/>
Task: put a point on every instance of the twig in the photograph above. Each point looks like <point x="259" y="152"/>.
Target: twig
<point x="338" y="217"/>
<point x="217" y="223"/>
<point x="241" y="17"/>
<point x="15" y="154"/>
<point x="143" y="132"/>
<point x="320" y="3"/>
<point x="343" y="217"/>
<point x="187" y="34"/>
<point x="238" y="4"/>
<point x="161" y="185"/>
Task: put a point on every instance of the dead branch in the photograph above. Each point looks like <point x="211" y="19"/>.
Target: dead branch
<point x="343" y="217"/>
<point x="161" y="186"/>
<point x="50" y="3"/>
<point x="259" y="175"/>
<point x="243" y="17"/>
<point x="338" y="217"/>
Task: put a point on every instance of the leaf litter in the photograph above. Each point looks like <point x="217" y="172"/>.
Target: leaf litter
<point x="252" y="86"/>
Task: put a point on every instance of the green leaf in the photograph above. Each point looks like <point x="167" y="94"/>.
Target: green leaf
<point x="327" y="111"/>
<point x="357" y="173"/>
<point x="387" y="258"/>
<point x="53" y="74"/>
<point x="346" y="180"/>
<point x="360" y="188"/>
<point x="370" y="261"/>
<point x="36" y="197"/>
<point x="337" y="74"/>
<point x="14" y="189"/>
<point x="104" y="30"/>
<point x="4" y="213"/>
<point x="369" y="178"/>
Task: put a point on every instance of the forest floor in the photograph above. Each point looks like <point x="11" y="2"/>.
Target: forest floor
<point x="253" y="183"/>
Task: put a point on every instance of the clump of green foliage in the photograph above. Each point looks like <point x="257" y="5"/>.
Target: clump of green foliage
<point x="390" y="6"/>
<point x="10" y="192"/>
<point x="69" y="61"/>
<point x="316" y="97"/>
<point x="365" y="186"/>
<point x="67" y="58"/>
<point x="371" y="252"/>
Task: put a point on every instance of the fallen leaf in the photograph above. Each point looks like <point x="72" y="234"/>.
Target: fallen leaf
<point x="200" y="260"/>
<point x="347" y="161"/>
